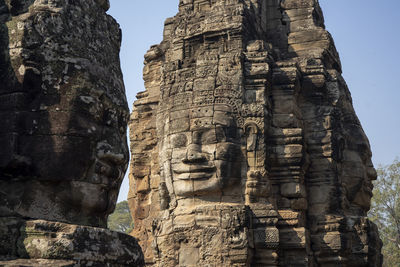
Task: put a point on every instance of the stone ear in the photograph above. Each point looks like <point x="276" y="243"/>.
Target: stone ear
<point x="251" y="132"/>
<point x="251" y="143"/>
<point x="164" y="196"/>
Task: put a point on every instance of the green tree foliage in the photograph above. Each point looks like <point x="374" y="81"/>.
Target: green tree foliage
<point x="385" y="211"/>
<point x="121" y="219"/>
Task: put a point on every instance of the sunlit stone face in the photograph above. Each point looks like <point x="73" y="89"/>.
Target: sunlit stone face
<point x="205" y="151"/>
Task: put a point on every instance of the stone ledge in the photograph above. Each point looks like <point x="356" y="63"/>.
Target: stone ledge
<point x="63" y="243"/>
<point x="37" y="263"/>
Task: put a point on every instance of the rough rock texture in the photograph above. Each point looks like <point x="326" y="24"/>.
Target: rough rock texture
<point x="59" y="243"/>
<point x="63" y="137"/>
<point x="63" y="109"/>
<point x="246" y="150"/>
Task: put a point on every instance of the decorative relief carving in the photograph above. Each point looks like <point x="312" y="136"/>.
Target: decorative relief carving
<point x="248" y="112"/>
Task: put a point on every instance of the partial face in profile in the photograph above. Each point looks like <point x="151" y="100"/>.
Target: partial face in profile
<point x="358" y="169"/>
<point x="67" y="111"/>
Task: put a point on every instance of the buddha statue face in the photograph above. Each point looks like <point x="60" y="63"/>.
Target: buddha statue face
<point x="66" y="151"/>
<point x="205" y="154"/>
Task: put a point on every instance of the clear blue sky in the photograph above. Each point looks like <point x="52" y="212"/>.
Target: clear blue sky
<point x="367" y="36"/>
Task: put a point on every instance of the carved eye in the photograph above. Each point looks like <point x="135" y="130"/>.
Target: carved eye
<point x="226" y="134"/>
<point x="231" y="133"/>
<point x="227" y="151"/>
<point x="179" y="140"/>
<point x="220" y="134"/>
<point x="209" y="137"/>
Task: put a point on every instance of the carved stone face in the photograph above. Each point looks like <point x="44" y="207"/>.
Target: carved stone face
<point x="67" y="112"/>
<point x="358" y="169"/>
<point x="205" y="157"/>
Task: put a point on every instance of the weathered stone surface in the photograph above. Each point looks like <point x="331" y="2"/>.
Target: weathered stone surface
<point x="37" y="263"/>
<point x="246" y="118"/>
<point x="63" y="137"/>
<point x="62" y="244"/>
<point x="63" y="97"/>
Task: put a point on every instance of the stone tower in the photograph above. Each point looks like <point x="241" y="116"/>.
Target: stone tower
<point x="63" y="147"/>
<point x="246" y="150"/>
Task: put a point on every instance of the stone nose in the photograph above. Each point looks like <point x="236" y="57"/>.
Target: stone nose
<point x="194" y="154"/>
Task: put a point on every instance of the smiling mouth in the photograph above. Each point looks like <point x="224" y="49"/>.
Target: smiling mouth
<point x="193" y="172"/>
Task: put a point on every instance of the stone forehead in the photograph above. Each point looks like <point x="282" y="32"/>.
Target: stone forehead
<point x="202" y="116"/>
<point x="217" y="103"/>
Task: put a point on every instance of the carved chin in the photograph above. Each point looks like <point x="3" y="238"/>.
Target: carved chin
<point x="363" y="198"/>
<point x="89" y="196"/>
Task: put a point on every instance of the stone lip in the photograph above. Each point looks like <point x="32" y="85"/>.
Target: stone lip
<point x="89" y="246"/>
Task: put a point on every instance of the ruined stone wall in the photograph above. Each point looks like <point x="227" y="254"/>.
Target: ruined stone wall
<point x="64" y="151"/>
<point x="246" y="150"/>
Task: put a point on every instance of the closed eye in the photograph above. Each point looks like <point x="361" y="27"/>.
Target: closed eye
<point x="179" y="140"/>
<point x="209" y="137"/>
